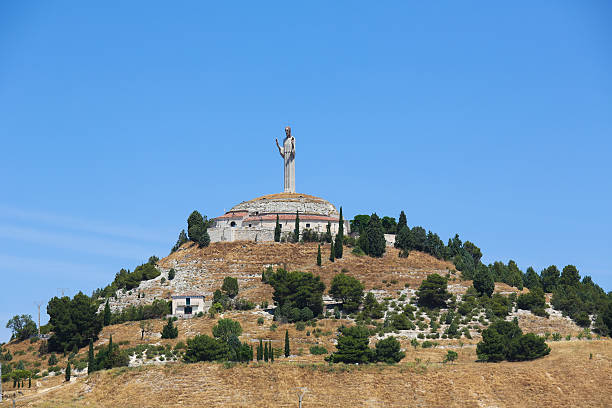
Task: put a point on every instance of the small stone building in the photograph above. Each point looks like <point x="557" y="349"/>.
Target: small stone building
<point x="188" y="305"/>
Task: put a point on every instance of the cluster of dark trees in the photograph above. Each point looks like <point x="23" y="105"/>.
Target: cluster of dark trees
<point x="298" y="295"/>
<point x="159" y="308"/>
<point x="22" y="327"/>
<point x="353" y="347"/>
<point x="127" y="280"/>
<point x="107" y="357"/>
<point x="74" y="322"/>
<point x="223" y="346"/>
<point x="505" y="341"/>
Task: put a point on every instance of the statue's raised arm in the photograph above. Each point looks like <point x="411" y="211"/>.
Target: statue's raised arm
<point x="280" y="149"/>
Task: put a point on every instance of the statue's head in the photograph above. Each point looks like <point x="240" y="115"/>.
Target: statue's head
<point x="288" y="131"/>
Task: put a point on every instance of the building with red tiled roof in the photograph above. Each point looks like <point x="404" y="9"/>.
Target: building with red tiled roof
<point x="255" y="220"/>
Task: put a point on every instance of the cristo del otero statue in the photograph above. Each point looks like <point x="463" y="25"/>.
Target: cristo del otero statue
<point x="255" y="220"/>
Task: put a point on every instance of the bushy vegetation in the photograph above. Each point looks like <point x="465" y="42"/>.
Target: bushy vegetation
<point x="432" y="293"/>
<point x="22" y="327"/>
<point x="159" y="308"/>
<point x="224" y="346"/>
<point x="348" y="290"/>
<point x="169" y="331"/>
<point x="127" y="280"/>
<point x="74" y="322"/>
<point x="197" y="229"/>
<point x="353" y="347"/>
<point x="298" y="295"/>
<point x="505" y="341"/>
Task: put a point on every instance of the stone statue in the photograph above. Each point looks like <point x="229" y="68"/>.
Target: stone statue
<point x="287" y="152"/>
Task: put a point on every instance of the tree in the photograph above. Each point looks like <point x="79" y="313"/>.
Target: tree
<point x="401" y="222"/>
<point x="432" y="292"/>
<point x="90" y="358"/>
<point x="171" y="274"/>
<point x="374" y="242"/>
<point x="347" y="289"/>
<point x="74" y="322"/>
<point x="23" y="327"/>
<point x="297" y="290"/>
<point x="205" y="348"/>
<point x="296" y="230"/>
<point x="338" y="248"/>
<point x="332" y="252"/>
<point x="277" y="230"/>
<point x="403" y="238"/>
<point x="450" y="356"/>
<point x="196" y="228"/>
<point x="226" y="328"/>
<point x="389" y="225"/>
<point x="169" y="331"/>
<point x="52" y="359"/>
<point x="474" y="251"/>
<point x="353" y="346"/>
<point x="532" y="280"/>
<point x="260" y="351"/>
<point x="107" y="314"/>
<point x="483" y="281"/>
<point x="230" y="286"/>
<point x="319" y="255"/>
<point x="266" y="354"/>
<point x="359" y="223"/>
<point x="182" y="238"/>
<point x="505" y="341"/>
<point x="388" y="351"/>
<point x="287" y="348"/>
<point x="68" y="371"/>
<point x="570" y="276"/>
<point x="549" y="278"/>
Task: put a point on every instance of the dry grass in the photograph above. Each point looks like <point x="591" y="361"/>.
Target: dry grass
<point x="567" y="377"/>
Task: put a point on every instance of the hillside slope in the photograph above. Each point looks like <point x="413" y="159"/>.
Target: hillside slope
<point x="567" y="377"/>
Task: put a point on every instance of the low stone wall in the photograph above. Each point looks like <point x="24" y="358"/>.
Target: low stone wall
<point x="240" y="234"/>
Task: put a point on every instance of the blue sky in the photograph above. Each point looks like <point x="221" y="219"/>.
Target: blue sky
<point x="117" y="120"/>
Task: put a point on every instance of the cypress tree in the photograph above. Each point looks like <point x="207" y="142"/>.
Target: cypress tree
<point x="68" y="371"/>
<point x="266" y="352"/>
<point x="107" y="314"/>
<point x="375" y="237"/>
<point x="287" y="348"/>
<point x="277" y="230"/>
<point x="296" y="231"/>
<point x="328" y="235"/>
<point x="271" y="353"/>
<point x="402" y="221"/>
<point x="340" y="237"/>
<point x="29" y="382"/>
<point x="319" y="256"/>
<point x="252" y="354"/>
<point x="110" y="345"/>
<point x="260" y="351"/>
<point x="90" y="358"/>
<point x="332" y="252"/>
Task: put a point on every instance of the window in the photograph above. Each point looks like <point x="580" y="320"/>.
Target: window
<point x="250" y="225"/>
<point x="188" y="301"/>
<point x="307" y="225"/>
<point x="188" y="309"/>
<point x="233" y="224"/>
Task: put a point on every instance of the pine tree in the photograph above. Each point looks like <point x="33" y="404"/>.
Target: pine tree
<point x="90" y="358"/>
<point x="287" y="348"/>
<point x="319" y="256"/>
<point x="68" y="371"/>
<point x="277" y="230"/>
<point x="375" y="236"/>
<point x="296" y="231"/>
<point x="266" y="352"/>
<point x="402" y="221"/>
<point x="107" y="314"/>
<point x="339" y="237"/>
<point x="332" y="252"/>
<point x="182" y="238"/>
<point x="196" y="228"/>
<point x="260" y="351"/>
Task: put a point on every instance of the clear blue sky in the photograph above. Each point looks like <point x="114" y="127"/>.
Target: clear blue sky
<point x="117" y="120"/>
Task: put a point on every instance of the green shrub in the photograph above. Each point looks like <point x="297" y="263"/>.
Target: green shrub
<point x="318" y="350"/>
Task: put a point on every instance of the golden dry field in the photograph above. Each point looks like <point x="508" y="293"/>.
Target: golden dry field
<point x="568" y="377"/>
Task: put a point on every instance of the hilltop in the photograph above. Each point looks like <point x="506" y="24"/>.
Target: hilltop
<point x="393" y="279"/>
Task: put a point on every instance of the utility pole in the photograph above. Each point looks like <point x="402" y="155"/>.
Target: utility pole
<point x="300" y="393"/>
<point x="0" y="383"/>
<point x="38" y="304"/>
<point x="62" y="290"/>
